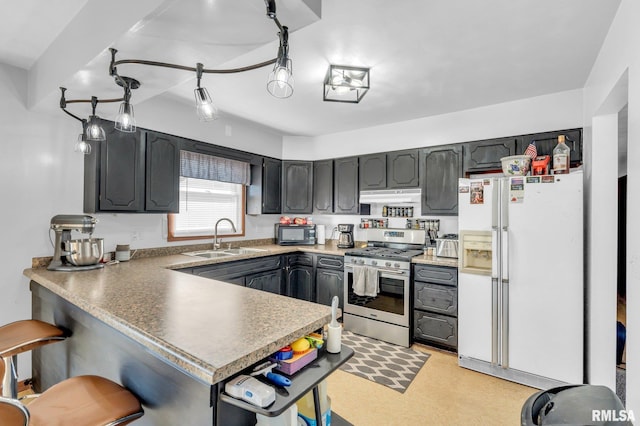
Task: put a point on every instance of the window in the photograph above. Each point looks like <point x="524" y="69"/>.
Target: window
<point x="207" y="195"/>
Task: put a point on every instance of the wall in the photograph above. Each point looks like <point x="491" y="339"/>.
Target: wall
<point x="619" y="59"/>
<point x="543" y="113"/>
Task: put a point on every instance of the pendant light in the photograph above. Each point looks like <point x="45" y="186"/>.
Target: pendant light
<point x="93" y="130"/>
<point x="280" y="83"/>
<point x="205" y="108"/>
<point x="125" y="120"/>
<point x="82" y="146"/>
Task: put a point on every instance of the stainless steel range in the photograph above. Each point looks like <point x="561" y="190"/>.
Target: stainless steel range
<point x="378" y="284"/>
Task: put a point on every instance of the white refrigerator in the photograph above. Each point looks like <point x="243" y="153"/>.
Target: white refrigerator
<point x="520" y="278"/>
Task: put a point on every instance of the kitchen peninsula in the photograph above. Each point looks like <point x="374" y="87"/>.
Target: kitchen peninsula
<point x="170" y="337"/>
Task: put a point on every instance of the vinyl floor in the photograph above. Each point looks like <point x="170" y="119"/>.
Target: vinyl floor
<point x="441" y="394"/>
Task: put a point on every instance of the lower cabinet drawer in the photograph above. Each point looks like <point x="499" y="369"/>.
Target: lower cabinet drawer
<point x="438" y="298"/>
<point x="435" y="328"/>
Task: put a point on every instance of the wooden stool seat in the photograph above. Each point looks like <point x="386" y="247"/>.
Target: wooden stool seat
<point x="78" y="401"/>
<point x="18" y="337"/>
<point x="25" y="335"/>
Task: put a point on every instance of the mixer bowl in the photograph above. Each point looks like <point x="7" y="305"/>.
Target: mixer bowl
<point x="85" y="251"/>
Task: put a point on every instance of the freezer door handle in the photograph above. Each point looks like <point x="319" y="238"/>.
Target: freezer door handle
<point x="494" y="322"/>
<point x="504" y="244"/>
<point x="494" y="254"/>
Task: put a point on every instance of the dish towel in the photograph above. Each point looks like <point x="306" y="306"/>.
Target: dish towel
<point x="371" y="284"/>
<point x="365" y="281"/>
<point x="359" y="280"/>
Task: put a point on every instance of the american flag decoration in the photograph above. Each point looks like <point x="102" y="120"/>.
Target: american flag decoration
<point x="531" y="150"/>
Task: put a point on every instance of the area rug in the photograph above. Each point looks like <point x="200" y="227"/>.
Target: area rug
<point x="383" y="363"/>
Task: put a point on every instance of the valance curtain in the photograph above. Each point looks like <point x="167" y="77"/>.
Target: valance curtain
<point x="203" y="166"/>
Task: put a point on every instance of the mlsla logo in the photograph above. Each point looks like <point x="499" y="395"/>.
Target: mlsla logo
<point x="612" y="416"/>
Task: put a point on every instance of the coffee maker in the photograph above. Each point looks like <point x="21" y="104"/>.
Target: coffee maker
<point x="75" y="255"/>
<point x="345" y="236"/>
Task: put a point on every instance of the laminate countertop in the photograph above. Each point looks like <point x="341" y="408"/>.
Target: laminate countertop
<point x="206" y="327"/>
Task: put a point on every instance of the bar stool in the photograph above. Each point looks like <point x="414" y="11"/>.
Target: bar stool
<point x="79" y="401"/>
<point x="18" y="337"/>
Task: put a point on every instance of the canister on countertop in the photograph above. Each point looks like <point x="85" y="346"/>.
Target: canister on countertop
<point x="123" y="252"/>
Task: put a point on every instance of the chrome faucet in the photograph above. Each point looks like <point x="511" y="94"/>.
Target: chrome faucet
<point x="216" y="244"/>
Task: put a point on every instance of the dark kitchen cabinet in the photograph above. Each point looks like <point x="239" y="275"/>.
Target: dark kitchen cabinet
<point x="485" y="155"/>
<point x="373" y="171"/>
<point x="440" y="168"/>
<point x="271" y="186"/>
<point x="299" y="276"/>
<point x="114" y="176"/>
<point x="435" y="304"/>
<point x="132" y="172"/>
<point x="297" y="187"/>
<point x="162" y="173"/>
<point x="403" y="169"/>
<point x="262" y="273"/>
<point x="329" y="279"/>
<point x="345" y="186"/>
<point x="270" y="281"/>
<point x="323" y="186"/>
<point x="545" y="142"/>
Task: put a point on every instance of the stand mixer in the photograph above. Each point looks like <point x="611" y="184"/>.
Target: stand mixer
<point x="75" y="255"/>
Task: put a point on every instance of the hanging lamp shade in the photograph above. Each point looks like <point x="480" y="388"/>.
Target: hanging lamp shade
<point x="280" y="83"/>
<point x="205" y="108"/>
<point x="82" y="146"/>
<point x="125" y="120"/>
<point x="94" y="131"/>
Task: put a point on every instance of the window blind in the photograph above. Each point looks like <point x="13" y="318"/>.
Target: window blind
<point x="209" y="167"/>
<point x="203" y="202"/>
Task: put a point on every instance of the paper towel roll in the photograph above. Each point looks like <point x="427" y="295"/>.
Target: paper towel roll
<point x="320" y="234"/>
<point x="334" y="339"/>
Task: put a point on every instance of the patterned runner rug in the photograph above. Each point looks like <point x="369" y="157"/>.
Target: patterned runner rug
<point x="381" y="362"/>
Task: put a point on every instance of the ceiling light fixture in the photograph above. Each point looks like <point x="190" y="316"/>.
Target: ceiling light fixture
<point x="345" y="84"/>
<point x="91" y="128"/>
<point x="279" y="84"/>
<point x="125" y="120"/>
<point x="207" y="111"/>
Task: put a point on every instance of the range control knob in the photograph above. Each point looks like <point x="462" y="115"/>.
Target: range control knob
<point x="396" y="265"/>
<point x="388" y="264"/>
<point x="361" y="261"/>
<point x="374" y="263"/>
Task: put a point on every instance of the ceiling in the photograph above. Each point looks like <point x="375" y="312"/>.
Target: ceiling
<point x="427" y="57"/>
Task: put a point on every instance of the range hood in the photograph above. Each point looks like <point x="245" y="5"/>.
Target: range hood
<point x="410" y="195"/>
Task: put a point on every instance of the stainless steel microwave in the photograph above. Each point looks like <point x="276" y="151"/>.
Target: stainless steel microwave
<point x="291" y="235"/>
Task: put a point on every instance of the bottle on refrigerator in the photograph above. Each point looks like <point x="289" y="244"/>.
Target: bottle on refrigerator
<point x="561" y="155"/>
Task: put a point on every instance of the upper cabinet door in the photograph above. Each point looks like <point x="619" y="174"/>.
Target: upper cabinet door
<point x="402" y="169"/>
<point x="122" y="175"/>
<point x="162" y="173"/>
<point x="323" y="186"/>
<point x="345" y="186"/>
<point x="545" y="142"/>
<point x="271" y="185"/>
<point x="486" y="155"/>
<point x="373" y="171"/>
<point x="440" y="168"/>
<point x="297" y="195"/>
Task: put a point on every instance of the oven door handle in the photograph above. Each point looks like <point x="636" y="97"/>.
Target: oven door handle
<point x="391" y="271"/>
<point x="382" y="271"/>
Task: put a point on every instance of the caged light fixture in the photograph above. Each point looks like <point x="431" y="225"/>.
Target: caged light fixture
<point x="279" y="85"/>
<point x="345" y="84"/>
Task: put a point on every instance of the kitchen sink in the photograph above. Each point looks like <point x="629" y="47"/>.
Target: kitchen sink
<point x="213" y="254"/>
<point x="209" y="254"/>
<point x="243" y="250"/>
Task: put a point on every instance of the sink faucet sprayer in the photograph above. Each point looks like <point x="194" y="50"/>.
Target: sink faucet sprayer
<point x="216" y="244"/>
